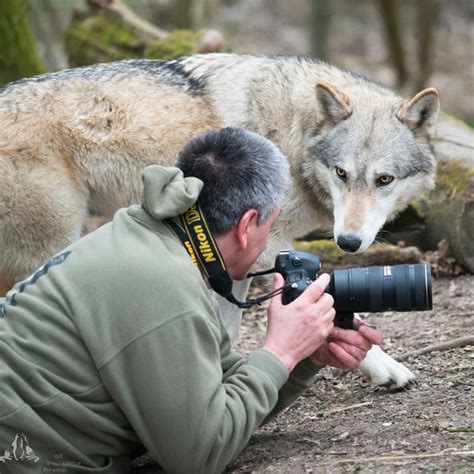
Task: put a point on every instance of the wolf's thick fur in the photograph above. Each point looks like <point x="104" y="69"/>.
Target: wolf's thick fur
<point x="80" y="138"/>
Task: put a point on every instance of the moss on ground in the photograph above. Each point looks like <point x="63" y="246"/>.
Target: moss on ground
<point x="454" y="178"/>
<point x="101" y="38"/>
<point x="178" y="43"/>
<point x="104" y="38"/>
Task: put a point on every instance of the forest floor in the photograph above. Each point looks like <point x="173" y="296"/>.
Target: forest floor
<point x="343" y="424"/>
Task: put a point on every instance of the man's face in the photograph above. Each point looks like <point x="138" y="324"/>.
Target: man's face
<point x="257" y="241"/>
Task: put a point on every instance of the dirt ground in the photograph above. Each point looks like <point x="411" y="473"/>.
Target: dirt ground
<point x="345" y="424"/>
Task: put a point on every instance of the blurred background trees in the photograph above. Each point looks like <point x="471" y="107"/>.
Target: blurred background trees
<point x="18" y="52"/>
<point x="405" y="44"/>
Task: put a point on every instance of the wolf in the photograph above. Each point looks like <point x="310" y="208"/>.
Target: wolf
<point x="78" y="139"/>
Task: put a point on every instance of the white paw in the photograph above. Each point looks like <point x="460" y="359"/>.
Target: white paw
<point x="382" y="370"/>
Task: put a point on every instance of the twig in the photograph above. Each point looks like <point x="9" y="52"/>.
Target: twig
<point x="330" y="411"/>
<point x="127" y="16"/>
<point x="403" y="457"/>
<point x="442" y="346"/>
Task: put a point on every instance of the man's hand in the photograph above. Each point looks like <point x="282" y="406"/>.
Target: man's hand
<point x="345" y="348"/>
<point x="297" y="330"/>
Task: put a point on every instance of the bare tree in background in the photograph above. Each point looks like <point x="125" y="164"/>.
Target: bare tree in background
<point x="184" y="14"/>
<point x="48" y="22"/>
<point x="390" y="12"/>
<point x="428" y="16"/>
<point x="18" y="52"/>
<point x="320" y="21"/>
<point x="427" y="12"/>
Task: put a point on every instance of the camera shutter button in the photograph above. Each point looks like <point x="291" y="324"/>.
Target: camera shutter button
<point x="296" y="261"/>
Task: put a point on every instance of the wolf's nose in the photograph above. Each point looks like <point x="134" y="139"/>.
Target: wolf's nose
<point x="349" y="243"/>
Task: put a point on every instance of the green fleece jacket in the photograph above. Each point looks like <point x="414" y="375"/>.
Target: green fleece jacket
<point x="116" y="344"/>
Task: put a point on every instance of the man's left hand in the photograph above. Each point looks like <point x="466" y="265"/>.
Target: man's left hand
<point x="346" y="348"/>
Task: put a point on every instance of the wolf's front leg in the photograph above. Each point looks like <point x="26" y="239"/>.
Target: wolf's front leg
<point x="383" y="370"/>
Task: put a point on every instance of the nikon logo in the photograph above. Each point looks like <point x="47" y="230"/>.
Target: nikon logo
<point x="190" y="250"/>
<point x="204" y="247"/>
<point x="192" y="215"/>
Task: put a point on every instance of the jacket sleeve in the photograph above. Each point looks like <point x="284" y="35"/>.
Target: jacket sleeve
<point x="193" y="407"/>
<point x="301" y="378"/>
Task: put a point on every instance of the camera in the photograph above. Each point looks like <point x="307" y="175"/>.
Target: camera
<point x="369" y="289"/>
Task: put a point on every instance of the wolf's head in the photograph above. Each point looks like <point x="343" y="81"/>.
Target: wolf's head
<point x="371" y="155"/>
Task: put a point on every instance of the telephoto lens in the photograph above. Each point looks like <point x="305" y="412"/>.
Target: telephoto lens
<point x="377" y="289"/>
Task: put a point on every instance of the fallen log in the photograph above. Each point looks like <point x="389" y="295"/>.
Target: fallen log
<point x="448" y="212"/>
<point x="111" y="31"/>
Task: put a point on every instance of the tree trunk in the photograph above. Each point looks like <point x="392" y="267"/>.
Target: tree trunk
<point x="449" y="210"/>
<point x="320" y="19"/>
<point x="427" y="19"/>
<point x="390" y="13"/>
<point x="18" y="53"/>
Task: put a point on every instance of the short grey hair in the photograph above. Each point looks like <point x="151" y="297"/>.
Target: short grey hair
<point x="241" y="170"/>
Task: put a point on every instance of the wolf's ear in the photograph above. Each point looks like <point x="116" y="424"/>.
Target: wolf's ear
<point x="420" y="112"/>
<point x="334" y="105"/>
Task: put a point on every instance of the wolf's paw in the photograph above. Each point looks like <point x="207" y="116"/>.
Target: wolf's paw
<point x="382" y="370"/>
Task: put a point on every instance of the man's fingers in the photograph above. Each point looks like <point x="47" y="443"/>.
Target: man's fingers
<point x="354" y="351"/>
<point x="278" y="280"/>
<point x="324" y="304"/>
<point x="351" y="337"/>
<point x="347" y="360"/>
<point x="372" y="335"/>
<point x="316" y="289"/>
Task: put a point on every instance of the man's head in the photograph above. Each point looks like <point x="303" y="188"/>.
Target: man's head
<point x="240" y="170"/>
<point x="245" y="179"/>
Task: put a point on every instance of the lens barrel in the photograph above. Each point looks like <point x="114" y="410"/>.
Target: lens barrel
<point x="376" y="289"/>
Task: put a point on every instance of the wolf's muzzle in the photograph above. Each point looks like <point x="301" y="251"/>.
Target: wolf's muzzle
<point x="349" y="243"/>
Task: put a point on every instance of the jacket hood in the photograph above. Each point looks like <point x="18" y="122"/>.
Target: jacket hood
<point x="167" y="193"/>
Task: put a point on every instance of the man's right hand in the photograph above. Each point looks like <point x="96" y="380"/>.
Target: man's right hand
<point x="297" y="330"/>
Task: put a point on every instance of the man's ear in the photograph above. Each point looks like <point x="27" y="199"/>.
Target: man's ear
<point x="334" y="105"/>
<point x="247" y="222"/>
<point x="420" y="112"/>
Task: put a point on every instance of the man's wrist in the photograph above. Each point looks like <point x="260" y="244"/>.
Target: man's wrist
<point x="282" y="356"/>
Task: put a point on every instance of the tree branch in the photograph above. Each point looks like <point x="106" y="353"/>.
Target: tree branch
<point x="442" y="346"/>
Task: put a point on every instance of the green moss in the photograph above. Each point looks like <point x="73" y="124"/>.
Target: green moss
<point x="178" y="43"/>
<point x="470" y="122"/>
<point x="18" y="53"/>
<point x="318" y="247"/>
<point x="101" y="38"/>
<point x="454" y="178"/>
<point x="104" y="38"/>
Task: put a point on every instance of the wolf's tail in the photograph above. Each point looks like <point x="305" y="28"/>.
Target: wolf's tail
<point x="42" y="207"/>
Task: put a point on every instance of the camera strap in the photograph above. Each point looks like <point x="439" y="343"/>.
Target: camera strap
<point x="198" y="241"/>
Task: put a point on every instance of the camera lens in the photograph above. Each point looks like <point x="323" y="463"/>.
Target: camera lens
<point x="374" y="289"/>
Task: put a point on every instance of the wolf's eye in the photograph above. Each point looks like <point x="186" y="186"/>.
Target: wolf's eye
<point x="341" y="173"/>
<point x="384" y="180"/>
